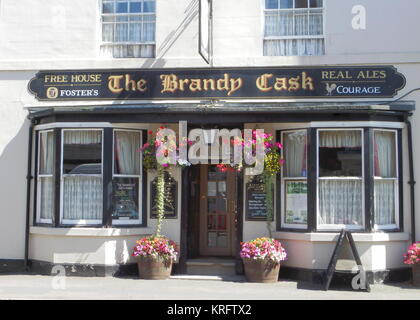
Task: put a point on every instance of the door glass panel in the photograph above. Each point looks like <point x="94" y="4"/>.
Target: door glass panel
<point x="221" y="223"/>
<point x="221" y="205"/>
<point x="211" y="188"/>
<point x="222" y="187"/>
<point x="211" y="222"/>
<point x="211" y="205"/>
<point x="222" y="239"/>
<point x="212" y="239"/>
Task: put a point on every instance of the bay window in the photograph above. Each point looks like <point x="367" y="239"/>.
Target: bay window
<point x="385" y="179"/>
<point x="82" y="194"/>
<point x="294" y="179"/>
<point x="293" y="28"/>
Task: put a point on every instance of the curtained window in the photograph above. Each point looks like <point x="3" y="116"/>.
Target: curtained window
<point x="385" y="178"/>
<point x="126" y="182"/>
<point x="128" y="28"/>
<point x="340" y="179"/>
<point x="82" y="193"/>
<point x="46" y="152"/>
<point x="293" y="28"/>
<point x="294" y="179"/>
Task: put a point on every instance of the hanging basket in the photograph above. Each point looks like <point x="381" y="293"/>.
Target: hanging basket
<point x="151" y="268"/>
<point x="265" y="271"/>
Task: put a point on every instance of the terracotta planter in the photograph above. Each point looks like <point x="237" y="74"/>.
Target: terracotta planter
<point x="153" y="269"/>
<point x="416" y="274"/>
<point x="261" y="270"/>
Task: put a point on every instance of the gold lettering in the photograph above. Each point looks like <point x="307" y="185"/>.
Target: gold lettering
<point x="195" y="85"/>
<point x="294" y="84"/>
<point x="129" y="82"/>
<point x="169" y="83"/>
<point x="281" y="84"/>
<point x="183" y="82"/>
<point x="212" y="83"/>
<point x="307" y="82"/>
<point x="114" y="84"/>
<point x="235" y="84"/>
<point x="223" y="84"/>
<point x="262" y="82"/>
<point x="141" y="85"/>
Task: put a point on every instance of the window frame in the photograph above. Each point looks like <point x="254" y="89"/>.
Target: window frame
<point x="282" y="183"/>
<point x="113" y="44"/>
<point x="295" y="37"/>
<point x="139" y="221"/>
<point x="396" y="180"/>
<point x="39" y="176"/>
<point x="337" y="227"/>
<point x="81" y="222"/>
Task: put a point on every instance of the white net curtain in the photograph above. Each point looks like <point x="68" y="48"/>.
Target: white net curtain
<point x="385" y="177"/>
<point x="294" y="144"/>
<point x="82" y="193"/>
<point x="46" y="174"/>
<point x="127" y="156"/>
<point x="340" y="199"/>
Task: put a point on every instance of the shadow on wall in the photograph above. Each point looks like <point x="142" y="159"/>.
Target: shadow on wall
<point x="13" y="167"/>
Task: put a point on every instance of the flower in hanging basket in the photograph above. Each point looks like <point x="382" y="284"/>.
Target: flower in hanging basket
<point x="412" y="256"/>
<point x="156" y="247"/>
<point x="263" y="249"/>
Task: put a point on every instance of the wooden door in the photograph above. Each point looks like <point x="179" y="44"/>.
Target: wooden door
<point x="217" y="212"/>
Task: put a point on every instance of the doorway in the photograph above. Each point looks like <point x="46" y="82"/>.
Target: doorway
<point x="217" y="212"/>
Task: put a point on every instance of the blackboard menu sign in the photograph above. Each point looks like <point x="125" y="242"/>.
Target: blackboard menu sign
<point x="256" y="206"/>
<point x="171" y="197"/>
<point x="125" y="196"/>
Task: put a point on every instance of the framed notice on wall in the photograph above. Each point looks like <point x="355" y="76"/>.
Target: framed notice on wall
<point x="295" y="201"/>
<point x="256" y="206"/>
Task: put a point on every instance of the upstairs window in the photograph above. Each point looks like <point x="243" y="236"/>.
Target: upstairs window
<point x="294" y="28"/>
<point x="128" y="28"/>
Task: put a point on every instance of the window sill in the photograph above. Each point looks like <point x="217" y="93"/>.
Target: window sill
<point x="332" y="236"/>
<point x="90" y="232"/>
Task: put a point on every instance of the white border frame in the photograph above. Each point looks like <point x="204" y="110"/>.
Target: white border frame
<point x="139" y="177"/>
<point x="38" y="218"/>
<point x="62" y="176"/>
<point x="282" y="186"/>
<point x="336" y="227"/>
<point x="377" y="227"/>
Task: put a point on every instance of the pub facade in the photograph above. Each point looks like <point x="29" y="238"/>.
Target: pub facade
<point x="81" y="100"/>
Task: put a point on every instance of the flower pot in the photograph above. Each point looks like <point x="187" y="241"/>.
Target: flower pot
<point x="416" y="274"/>
<point x="261" y="270"/>
<point x="154" y="268"/>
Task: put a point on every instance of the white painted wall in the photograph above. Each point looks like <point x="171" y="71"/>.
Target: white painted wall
<point x="65" y="34"/>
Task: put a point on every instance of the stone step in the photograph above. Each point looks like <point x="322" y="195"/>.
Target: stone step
<point x="211" y="267"/>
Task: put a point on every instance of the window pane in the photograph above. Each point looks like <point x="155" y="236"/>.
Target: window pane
<point x="384" y="149"/>
<point x="149" y="6"/>
<point x="294" y="148"/>
<point x="135" y="7"/>
<point x="126" y="152"/>
<point x="108" y="7"/>
<point x="125" y="198"/>
<point x="340" y="153"/>
<point x="301" y="24"/>
<point x="82" y="198"/>
<point x="271" y="4"/>
<point x="286" y="4"/>
<point x="82" y="152"/>
<point x="295" y="202"/>
<point x="315" y="3"/>
<point x="340" y="202"/>
<point x="46" y="192"/>
<point x="384" y="202"/>
<point x="46" y="152"/>
<point x="301" y="3"/>
<point x="122" y="7"/>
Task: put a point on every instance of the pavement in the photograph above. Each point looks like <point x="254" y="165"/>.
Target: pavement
<point x="25" y="287"/>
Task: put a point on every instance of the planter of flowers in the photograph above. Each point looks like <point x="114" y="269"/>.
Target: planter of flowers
<point x="261" y="258"/>
<point x="412" y="257"/>
<point x="155" y="256"/>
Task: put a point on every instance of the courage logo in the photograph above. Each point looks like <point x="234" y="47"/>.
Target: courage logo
<point x="52" y="93"/>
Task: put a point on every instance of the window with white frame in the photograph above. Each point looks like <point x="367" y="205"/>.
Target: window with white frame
<point x="81" y="179"/>
<point x="340" y="179"/>
<point x="385" y="163"/>
<point x="45" y="179"/>
<point x="128" y="28"/>
<point x="127" y="177"/>
<point x="294" y="179"/>
<point x="294" y="28"/>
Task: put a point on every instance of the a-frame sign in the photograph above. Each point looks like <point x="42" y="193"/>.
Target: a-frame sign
<point x="333" y="262"/>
